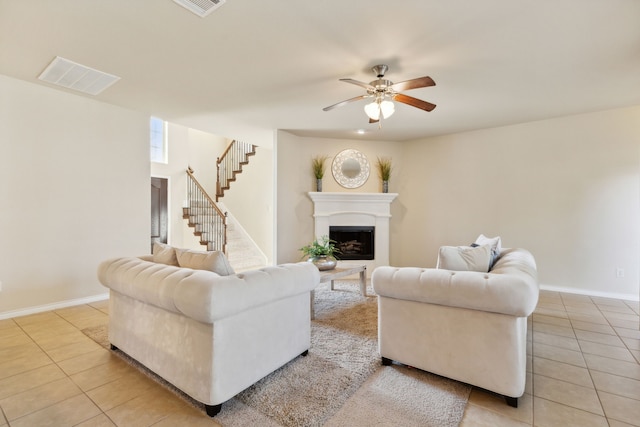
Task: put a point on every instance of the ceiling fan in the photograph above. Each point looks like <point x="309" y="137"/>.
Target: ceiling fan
<point x="383" y="91"/>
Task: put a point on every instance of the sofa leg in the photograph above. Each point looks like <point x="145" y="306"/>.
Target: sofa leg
<point x="212" y="410"/>
<point x="386" y="362"/>
<point x="304" y="353"/>
<point x="113" y="347"/>
<point x="512" y="401"/>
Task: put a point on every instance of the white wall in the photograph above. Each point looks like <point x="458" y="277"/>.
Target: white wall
<point x="567" y="189"/>
<point x="75" y="191"/>
<point x="295" y="224"/>
<point x="250" y="199"/>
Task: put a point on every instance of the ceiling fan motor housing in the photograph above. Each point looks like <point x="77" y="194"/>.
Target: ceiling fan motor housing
<point x="380" y="87"/>
<point x="379" y="70"/>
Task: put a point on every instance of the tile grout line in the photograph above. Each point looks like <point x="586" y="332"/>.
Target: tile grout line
<point x="77" y="385"/>
<point x="61" y="370"/>
<point x="589" y="371"/>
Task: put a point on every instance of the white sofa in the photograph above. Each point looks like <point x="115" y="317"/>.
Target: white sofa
<point x="211" y="336"/>
<point x="466" y="325"/>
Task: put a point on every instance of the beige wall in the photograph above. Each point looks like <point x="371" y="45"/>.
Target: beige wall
<point x="251" y="199"/>
<point x="75" y="191"/>
<point x="567" y="189"/>
<point x="295" y="225"/>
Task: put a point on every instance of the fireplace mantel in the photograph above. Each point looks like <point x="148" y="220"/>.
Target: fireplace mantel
<point x="351" y="195"/>
<point x="356" y="209"/>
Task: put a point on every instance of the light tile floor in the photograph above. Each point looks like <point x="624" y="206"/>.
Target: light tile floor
<point x="583" y="370"/>
<point x="583" y="367"/>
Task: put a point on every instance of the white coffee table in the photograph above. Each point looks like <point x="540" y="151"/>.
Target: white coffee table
<point x="339" y="272"/>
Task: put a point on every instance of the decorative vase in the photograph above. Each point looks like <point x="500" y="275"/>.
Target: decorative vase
<point x="324" y="262"/>
<point x="385" y="186"/>
<point x="319" y="185"/>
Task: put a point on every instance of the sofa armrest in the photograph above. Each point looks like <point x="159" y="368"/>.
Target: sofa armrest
<point x="511" y="289"/>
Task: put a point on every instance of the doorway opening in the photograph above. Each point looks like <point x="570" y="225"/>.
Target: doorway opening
<point x="159" y="210"/>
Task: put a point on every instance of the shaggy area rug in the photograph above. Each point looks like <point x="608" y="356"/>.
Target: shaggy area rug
<point x="341" y="382"/>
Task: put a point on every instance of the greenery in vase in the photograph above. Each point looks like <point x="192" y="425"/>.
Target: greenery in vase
<point x="317" y="164"/>
<point x="384" y="168"/>
<point x="320" y="247"/>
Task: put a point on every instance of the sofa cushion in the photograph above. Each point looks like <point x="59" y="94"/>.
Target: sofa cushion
<point x="214" y="261"/>
<point x="164" y="254"/>
<point x="465" y="258"/>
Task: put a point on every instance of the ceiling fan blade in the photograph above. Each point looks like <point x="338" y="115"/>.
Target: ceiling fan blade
<point x="414" y="102"/>
<point x="359" y="83"/>
<point x="425" y="81"/>
<point x="340" y="104"/>
<point x="373" y="120"/>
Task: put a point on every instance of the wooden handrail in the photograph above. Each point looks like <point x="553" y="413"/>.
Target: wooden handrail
<point x="230" y="163"/>
<point x="224" y="153"/>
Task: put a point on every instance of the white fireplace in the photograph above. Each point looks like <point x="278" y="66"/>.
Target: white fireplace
<point x="356" y="209"/>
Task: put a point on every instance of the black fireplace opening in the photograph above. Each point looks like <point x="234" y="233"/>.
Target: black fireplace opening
<point x="354" y="242"/>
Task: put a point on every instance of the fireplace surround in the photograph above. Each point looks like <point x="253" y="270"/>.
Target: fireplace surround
<point x="350" y="209"/>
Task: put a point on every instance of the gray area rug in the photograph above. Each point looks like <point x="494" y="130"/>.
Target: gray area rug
<point x="341" y="382"/>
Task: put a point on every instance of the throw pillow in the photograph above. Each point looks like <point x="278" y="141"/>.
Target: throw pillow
<point x="214" y="261"/>
<point x="496" y="246"/>
<point x="464" y="258"/>
<point x="164" y="254"/>
<point x="495" y="242"/>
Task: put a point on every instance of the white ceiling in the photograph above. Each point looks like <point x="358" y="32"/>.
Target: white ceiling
<point x="275" y="64"/>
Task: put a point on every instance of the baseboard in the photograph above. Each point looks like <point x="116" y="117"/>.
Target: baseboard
<point x="628" y="297"/>
<point x="53" y="306"/>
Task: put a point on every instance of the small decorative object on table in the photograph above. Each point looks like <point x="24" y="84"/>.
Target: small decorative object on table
<point x="318" y="165"/>
<point x="321" y="253"/>
<point x="384" y="172"/>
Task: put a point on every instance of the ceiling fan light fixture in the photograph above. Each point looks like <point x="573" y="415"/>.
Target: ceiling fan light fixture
<point x="387" y="108"/>
<point x="372" y="110"/>
<point x="376" y="108"/>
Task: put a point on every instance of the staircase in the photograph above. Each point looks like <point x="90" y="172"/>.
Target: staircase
<point x="210" y="221"/>
<point x="230" y="164"/>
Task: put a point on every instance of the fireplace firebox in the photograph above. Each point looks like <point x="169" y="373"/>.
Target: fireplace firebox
<point x="354" y="242"/>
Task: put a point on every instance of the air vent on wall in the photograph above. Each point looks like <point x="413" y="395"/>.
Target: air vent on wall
<point x="69" y="74"/>
<point x="200" y="7"/>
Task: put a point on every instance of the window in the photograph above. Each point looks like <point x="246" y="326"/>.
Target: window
<point x="158" y="134"/>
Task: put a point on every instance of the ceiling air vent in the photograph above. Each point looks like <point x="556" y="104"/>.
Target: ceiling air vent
<point x="200" y="7"/>
<point x="69" y="74"/>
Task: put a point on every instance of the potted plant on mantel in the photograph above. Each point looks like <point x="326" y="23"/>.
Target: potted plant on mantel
<point x="384" y="172"/>
<point x="321" y="253"/>
<point x="318" y="164"/>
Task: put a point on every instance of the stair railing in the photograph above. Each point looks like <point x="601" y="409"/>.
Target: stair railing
<point x="230" y="163"/>
<point x="208" y="221"/>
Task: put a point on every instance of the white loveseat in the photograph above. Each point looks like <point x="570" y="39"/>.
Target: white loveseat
<point x="209" y="335"/>
<point x="466" y="325"/>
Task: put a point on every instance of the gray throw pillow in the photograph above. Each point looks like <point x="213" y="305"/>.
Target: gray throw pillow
<point x="465" y="258"/>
